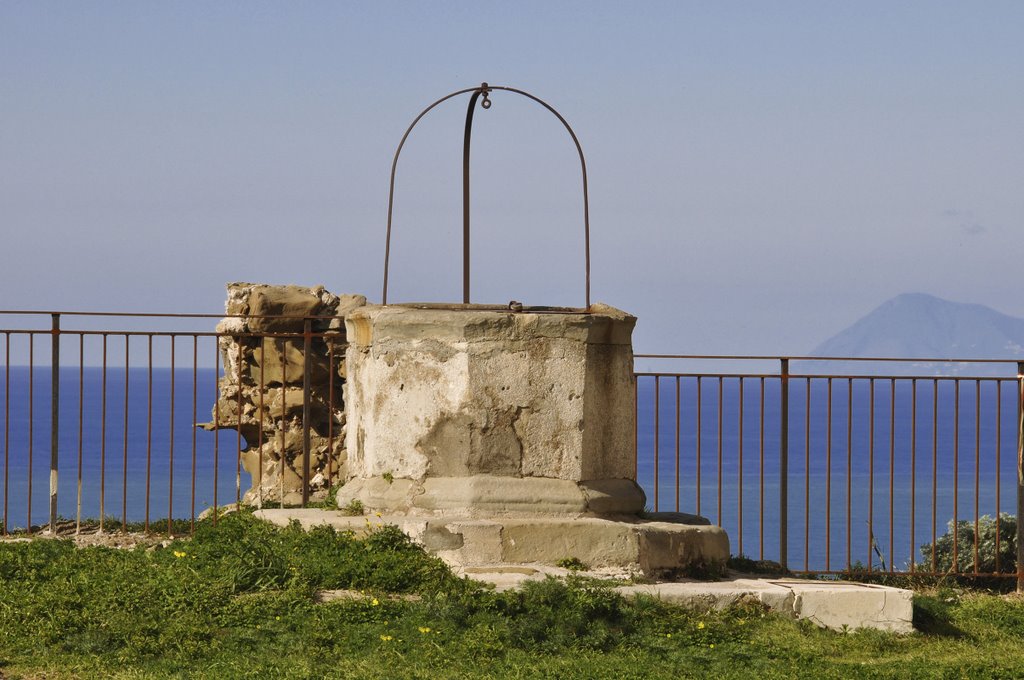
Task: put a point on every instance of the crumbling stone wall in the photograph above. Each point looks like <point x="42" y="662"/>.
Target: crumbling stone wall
<point x="260" y="391"/>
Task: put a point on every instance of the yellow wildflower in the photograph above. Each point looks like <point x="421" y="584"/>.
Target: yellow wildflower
<point x="700" y="626"/>
<point x="179" y="554"/>
<point x="424" y="629"/>
<point x="386" y="638"/>
<point x="374" y="602"/>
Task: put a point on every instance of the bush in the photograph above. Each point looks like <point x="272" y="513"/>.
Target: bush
<point x="988" y="528"/>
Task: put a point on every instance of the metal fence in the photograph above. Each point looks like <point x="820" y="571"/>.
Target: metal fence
<point x="848" y="464"/>
<point x="831" y="468"/>
<point x="102" y="425"/>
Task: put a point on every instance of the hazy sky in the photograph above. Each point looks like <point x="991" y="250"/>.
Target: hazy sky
<point x="761" y="174"/>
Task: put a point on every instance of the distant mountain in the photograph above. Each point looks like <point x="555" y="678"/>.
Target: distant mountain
<point x="916" y="325"/>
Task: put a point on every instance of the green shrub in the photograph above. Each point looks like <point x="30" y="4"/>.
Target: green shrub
<point x="988" y="528"/>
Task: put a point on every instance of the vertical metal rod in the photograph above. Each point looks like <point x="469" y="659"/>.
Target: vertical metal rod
<point x="216" y="422"/>
<point x="149" y="422"/>
<point x="636" y="427"/>
<point x="54" y="416"/>
<point x="956" y="474"/>
<point x="330" y="413"/>
<point x="170" y="449"/>
<point x="465" y="190"/>
<point x="760" y="471"/>
<point x="913" y="473"/>
<point x="699" y="419"/>
<point x="307" y="364"/>
<point x="195" y="394"/>
<point x="719" y="516"/>
<point x="784" y="463"/>
<point x="124" y="462"/>
<point x="238" y="430"/>
<point x="283" y="428"/>
<point x="262" y="417"/>
<point x="103" y="438"/>
<point x="657" y="438"/>
<point x="81" y="423"/>
<point x="679" y="408"/>
<point x="999" y="463"/>
<point x="7" y="426"/>
<point x="1020" y="476"/>
<point x="849" y="473"/>
<point x="977" y="465"/>
<point x="807" y="473"/>
<point x="892" y="466"/>
<point x="739" y="481"/>
<point x="871" y="470"/>
<point x="935" y="467"/>
<point x="828" y="482"/>
<point x="31" y="422"/>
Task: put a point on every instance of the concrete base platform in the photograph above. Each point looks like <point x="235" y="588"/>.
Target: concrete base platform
<point x="653" y="548"/>
<point x="836" y="605"/>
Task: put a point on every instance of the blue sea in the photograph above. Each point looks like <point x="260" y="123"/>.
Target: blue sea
<point x="119" y="463"/>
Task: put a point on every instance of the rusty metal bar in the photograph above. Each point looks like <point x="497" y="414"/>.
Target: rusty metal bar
<point x="719" y="478"/>
<point x="913" y="473"/>
<point x="216" y="425"/>
<point x="307" y="362"/>
<point x="81" y="422"/>
<point x="657" y="438"/>
<point x="483" y="90"/>
<point x="1020" y="476"/>
<point x="807" y="472"/>
<point x="892" y="469"/>
<point x="784" y="463"/>
<point x="54" y="416"/>
<point x="124" y="465"/>
<point x="828" y="481"/>
<point x="700" y="399"/>
<point x="149" y="423"/>
<point x="103" y="438"/>
<point x="238" y="430"/>
<point x="935" y="467"/>
<point x="636" y="427"/>
<point x="977" y="469"/>
<point x="330" y="418"/>
<point x="7" y="428"/>
<point x="956" y="474"/>
<point x="679" y="407"/>
<point x="849" y="474"/>
<point x="31" y="421"/>
<point x="760" y="470"/>
<point x="170" y="447"/>
<point x="195" y="395"/>
<point x="871" y="472"/>
<point x="739" y="456"/>
<point x="999" y="465"/>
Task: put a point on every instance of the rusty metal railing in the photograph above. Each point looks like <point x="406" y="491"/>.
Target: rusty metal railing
<point x="849" y="463"/>
<point x="124" y="414"/>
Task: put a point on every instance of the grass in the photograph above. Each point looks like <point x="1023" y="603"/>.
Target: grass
<point x="238" y="601"/>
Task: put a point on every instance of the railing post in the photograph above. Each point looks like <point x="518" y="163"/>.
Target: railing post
<point x="784" y="463"/>
<point x="307" y="344"/>
<point x="54" y="416"/>
<point x="1020" y="476"/>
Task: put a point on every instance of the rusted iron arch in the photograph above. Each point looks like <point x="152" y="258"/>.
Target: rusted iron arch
<point x="483" y="89"/>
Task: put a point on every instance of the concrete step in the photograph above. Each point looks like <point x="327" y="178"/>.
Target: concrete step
<point x="837" y="605"/>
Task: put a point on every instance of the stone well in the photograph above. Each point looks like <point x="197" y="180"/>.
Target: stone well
<point x="503" y="435"/>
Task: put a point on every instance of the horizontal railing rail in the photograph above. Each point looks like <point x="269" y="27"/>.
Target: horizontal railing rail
<point x="851" y="469"/>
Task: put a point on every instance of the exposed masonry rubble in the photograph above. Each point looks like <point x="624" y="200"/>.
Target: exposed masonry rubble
<point x="260" y="392"/>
